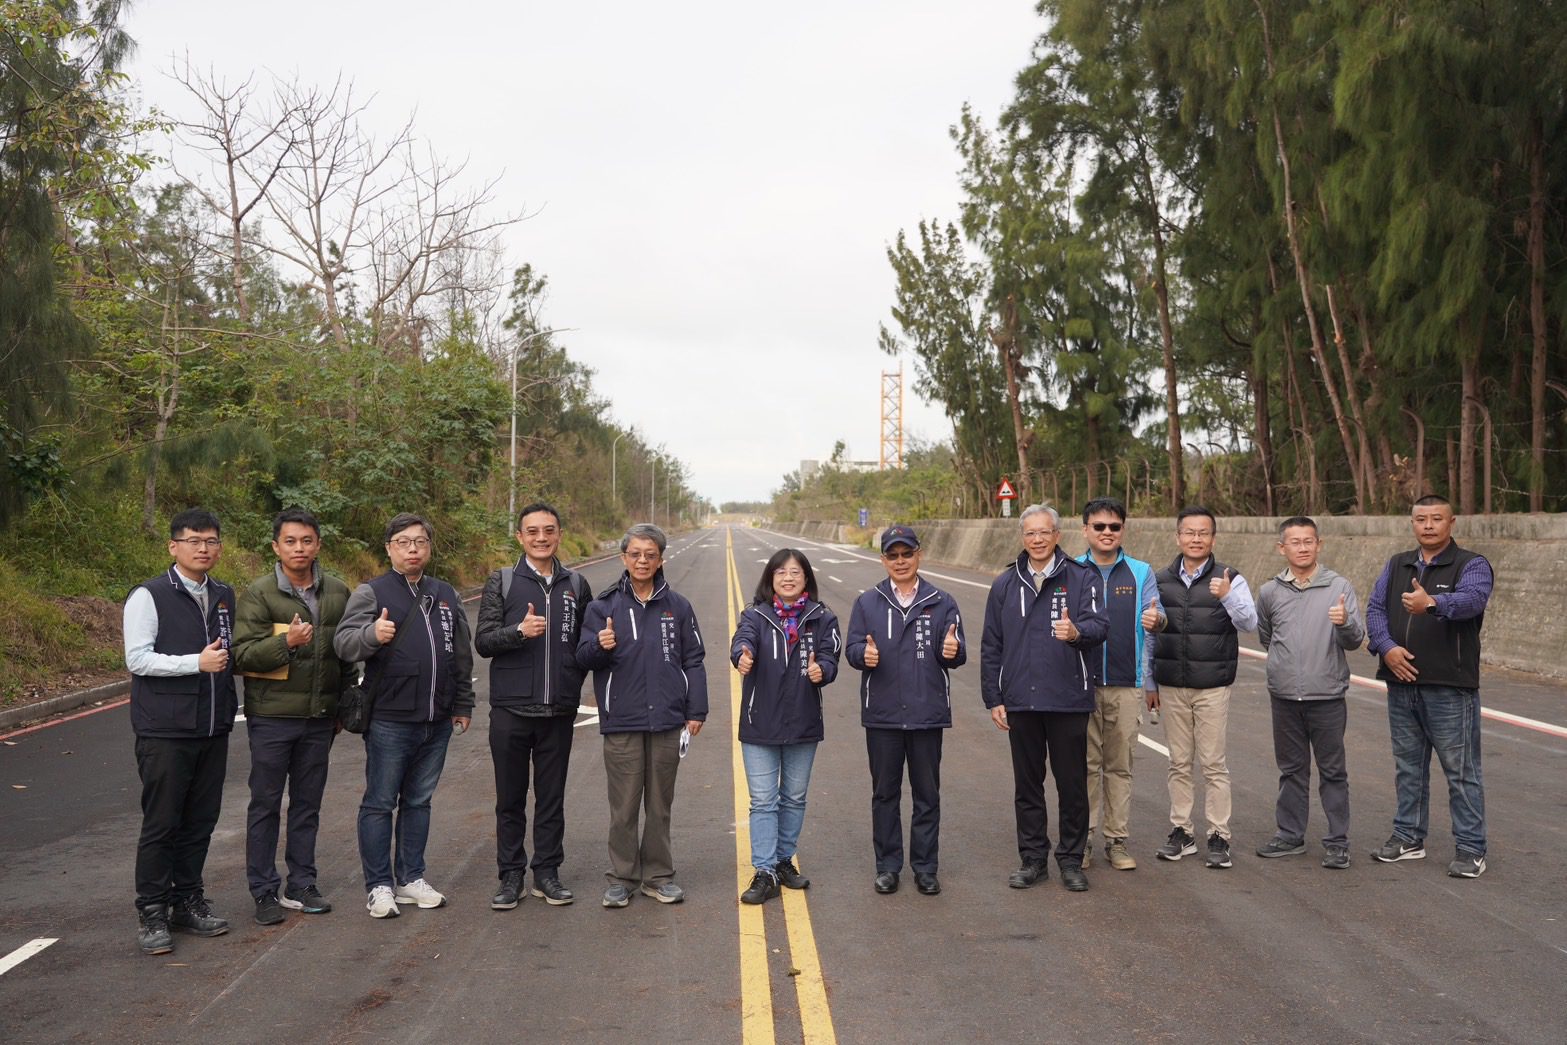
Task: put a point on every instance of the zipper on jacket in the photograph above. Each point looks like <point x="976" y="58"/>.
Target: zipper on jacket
<point x="549" y="637"/>
<point x="430" y="633"/>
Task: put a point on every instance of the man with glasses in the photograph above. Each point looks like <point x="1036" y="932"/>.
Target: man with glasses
<point x="905" y="635"/>
<point x="410" y="631"/>
<point x="640" y="639"/>
<point x="530" y="620"/>
<point x="178" y="628"/>
<point x="293" y="676"/>
<point x="1123" y="676"/>
<point x="1307" y="617"/>
<point x="1206" y="604"/>
<point x="1044" y="618"/>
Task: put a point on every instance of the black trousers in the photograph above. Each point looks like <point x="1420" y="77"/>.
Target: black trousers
<point x="890" y="750"/>
<point x="515" y="741"/>
<point x="181" y="796"/>
<point x="291" y="752"/>
<point x="1059" y="739"/>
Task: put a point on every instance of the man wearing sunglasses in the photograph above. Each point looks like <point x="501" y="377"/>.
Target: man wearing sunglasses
<point x="410" y="630"/>
<point x="905" y="635"/>
<point x="1123" y="672"/>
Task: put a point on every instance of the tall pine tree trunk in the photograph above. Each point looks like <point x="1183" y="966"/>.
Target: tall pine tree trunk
<point x="1537" y="318"/>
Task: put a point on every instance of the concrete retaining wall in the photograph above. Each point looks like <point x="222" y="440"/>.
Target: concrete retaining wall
<point x="1525" y="626"/>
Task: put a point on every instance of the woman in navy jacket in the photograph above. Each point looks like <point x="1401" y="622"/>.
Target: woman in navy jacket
<point x="786" y="646"/>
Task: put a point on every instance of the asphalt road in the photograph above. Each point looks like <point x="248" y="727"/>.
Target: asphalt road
<point x="1268" y="951"/>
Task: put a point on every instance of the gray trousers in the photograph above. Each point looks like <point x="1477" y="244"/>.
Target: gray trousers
<point x="640" y="769"/>
<point x="1303" y="729"/>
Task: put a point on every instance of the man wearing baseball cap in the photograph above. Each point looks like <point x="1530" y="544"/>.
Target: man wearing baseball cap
<point x="904" y="636"/>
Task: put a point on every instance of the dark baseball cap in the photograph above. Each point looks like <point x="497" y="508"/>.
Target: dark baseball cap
<point x="898" y="535"/>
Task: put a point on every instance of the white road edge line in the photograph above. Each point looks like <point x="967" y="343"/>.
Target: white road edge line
<point x="24" y="952"/>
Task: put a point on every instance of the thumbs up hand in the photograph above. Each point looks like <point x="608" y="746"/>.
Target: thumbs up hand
<point x="1417" y="599"/>
<point x="813" y="670"/>
<point x="607" y="636"/>
<point x="532" y="625"/>
<point x="1150" y="619"/>
<point x="213" y="656"/>
<point x="1220" y="586"/>
<point x="299" y="632"/>
<point x="1337" y="614"/>
<point x="385" y="630"/>
<point x="949" y="644"/>
<point x="746" y="660"/>
<point x="872" y="654"/>
<point x="1064" y="629"/>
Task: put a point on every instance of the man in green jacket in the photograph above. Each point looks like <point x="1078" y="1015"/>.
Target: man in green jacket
<point x="283" y="647"/>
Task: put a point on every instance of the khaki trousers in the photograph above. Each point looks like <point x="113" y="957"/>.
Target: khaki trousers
<point x="640" y="769"/>
<point x="1112" y="741"/>
<point x="1195" y="721"/>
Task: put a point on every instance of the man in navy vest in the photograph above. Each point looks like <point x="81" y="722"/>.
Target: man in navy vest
<point x="178" y="627"/>
<point x="412" y="634"/>
<point x="529" y="625"/>
<point x="1123" y="672"/>
<point x="1206" y="605"/>
<point x="1424" y="619"/>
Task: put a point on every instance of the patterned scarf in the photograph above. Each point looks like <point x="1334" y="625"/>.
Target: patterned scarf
<point x="789" y="617"/>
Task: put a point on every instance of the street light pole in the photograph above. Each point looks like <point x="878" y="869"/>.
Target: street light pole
<point x="614" y="486"/>
<point x="511" y="492"/>
<point x="652" y="491"/>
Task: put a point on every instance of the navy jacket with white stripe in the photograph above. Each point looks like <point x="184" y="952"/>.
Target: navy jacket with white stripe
<point x="778" y="703"/>
<point x="909" y="687"/>
<point x="653" y="679"/>
<point x="1021" y="663"/>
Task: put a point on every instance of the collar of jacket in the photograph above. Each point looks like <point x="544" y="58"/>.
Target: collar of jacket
<point x="924" y="591"/>
<point x="179" y="582"/>
<point x="1320" y="579"/>
<point x="659" y="587"/>
<point x="1443" y="557"/>
<point x="1087" y="558"/>
<point x="763" y="610"/>
<point x="1180" y="563"/>
<point x="557" y="571"/>
<point x="1025" y="572"/>
<point x="286" y="585"/>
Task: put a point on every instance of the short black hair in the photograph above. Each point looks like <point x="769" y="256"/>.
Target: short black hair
<point x="402" y="520"/>
<point x="1430" y="499"/>
<point x="1196" y="509"/>
<point x="536" y="506"/>
<point x="294" y="515"/>
<point x="1104" y="504"/>
<point x="197" y="520"/>
<point x="764" y="587"/>
<point x="1297" y="520"/>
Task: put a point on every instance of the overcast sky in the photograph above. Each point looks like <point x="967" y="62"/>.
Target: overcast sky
<point x="713" y="185"/>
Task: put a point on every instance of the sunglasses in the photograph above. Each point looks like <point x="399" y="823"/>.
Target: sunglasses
<point x="1102" y="527"/>
<point x="906" y="553"/>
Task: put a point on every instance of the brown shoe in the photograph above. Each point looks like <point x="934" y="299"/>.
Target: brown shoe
<point x="1119" y="858"/>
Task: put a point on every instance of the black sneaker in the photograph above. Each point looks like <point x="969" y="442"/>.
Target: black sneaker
<point x="1031" y="873"/>
<point x="268" y="910"/>
<point x="763" y="887"/>
<point x="1466" y="865"/>
<point x="152" y="936"/>
<point x="1218" y="852"/>
<point x="1336" y="858"/>
<point x="1179" y="844"/>
<point x="510" y="893"/>
<point x="1278" y="846"/>
<point x="308" y="900"/>
<point x="549" y="889"/>
<point x="1396" y="849"/>
<point x="194" y="915"/>
<point x="789" y="876"/>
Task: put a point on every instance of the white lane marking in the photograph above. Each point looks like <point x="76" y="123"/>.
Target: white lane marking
<point x="1141" y="739"/>
<point x="1548" y="728"/>
<point x="837" y="562"/>
<point x="835" y="580"/>
<point x="590" y="717"/>
<point x="923" y="573"/>
<point x="24" y="952"/>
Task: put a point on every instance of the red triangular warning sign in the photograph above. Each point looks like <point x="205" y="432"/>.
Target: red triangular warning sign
<point x="1004" y="492"/>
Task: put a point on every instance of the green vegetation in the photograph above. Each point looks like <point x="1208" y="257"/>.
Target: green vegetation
<point x="316" y="319"/>
<point x="1270" y="256"/>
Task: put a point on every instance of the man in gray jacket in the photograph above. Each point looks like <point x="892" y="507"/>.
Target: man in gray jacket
<point x="1307" y="617"/>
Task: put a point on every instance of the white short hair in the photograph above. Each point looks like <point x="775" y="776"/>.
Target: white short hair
<point x="1036" y="509"/>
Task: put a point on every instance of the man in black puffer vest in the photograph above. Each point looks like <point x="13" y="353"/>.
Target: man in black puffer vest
<point x="1206" y="604"/>
<point x="178" y="629"/>
<point x="529" y="624"/>
<point x="422" y="690"/>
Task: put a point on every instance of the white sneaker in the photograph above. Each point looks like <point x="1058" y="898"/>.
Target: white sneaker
<point x="381" y="903"/>
<point x="419" y="891"/>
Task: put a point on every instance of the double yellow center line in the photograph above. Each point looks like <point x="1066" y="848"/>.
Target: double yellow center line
<point x="756" y="991"/>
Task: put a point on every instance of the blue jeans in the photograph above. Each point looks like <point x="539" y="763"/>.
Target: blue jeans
<point x="778" y="775"/>
<point x="1446" y="720"/>
<point x="403" y="762"/>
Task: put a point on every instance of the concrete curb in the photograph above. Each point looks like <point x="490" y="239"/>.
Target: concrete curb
<point x="29" y="713"/>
